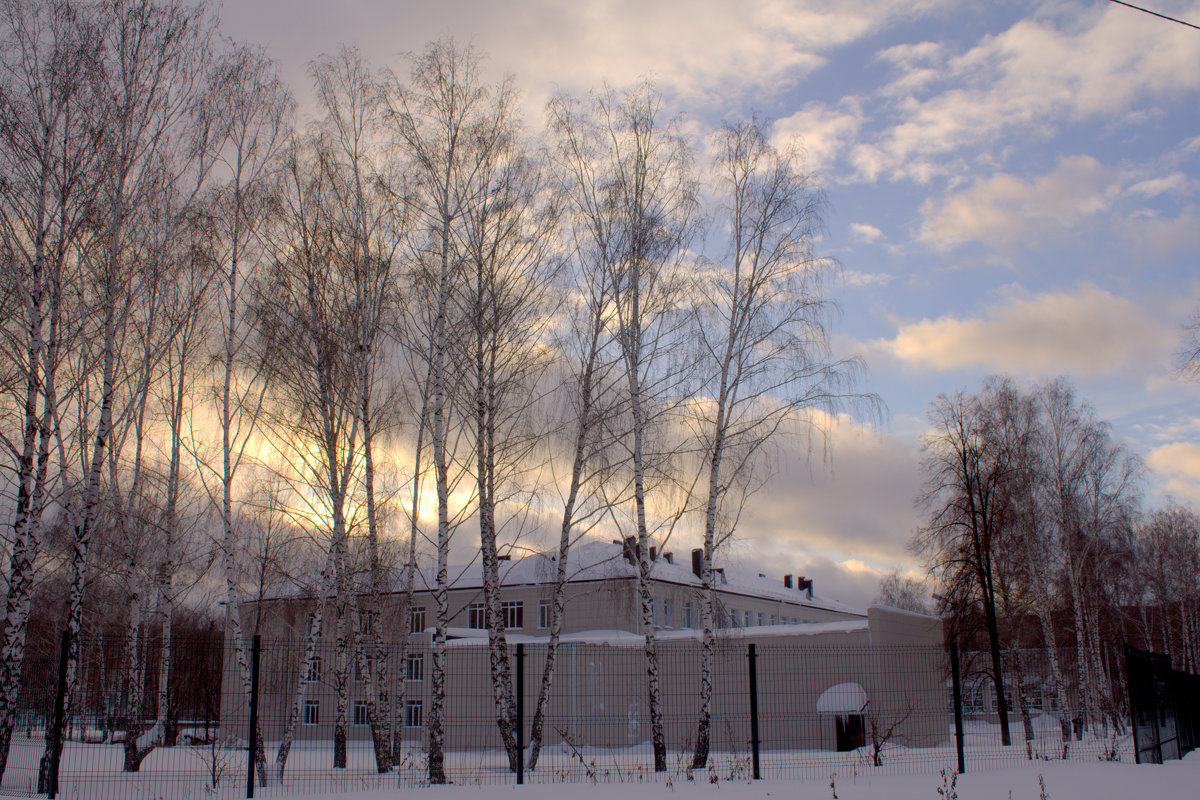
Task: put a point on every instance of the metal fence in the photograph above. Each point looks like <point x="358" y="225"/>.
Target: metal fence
<point x="1165" y="707"/>
<point x="778" y="711"/>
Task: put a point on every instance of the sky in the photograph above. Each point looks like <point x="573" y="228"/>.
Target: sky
<point x="1014" y="188"/>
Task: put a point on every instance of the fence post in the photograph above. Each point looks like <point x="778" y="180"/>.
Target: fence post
<point x="60" y="702"/>
<point x="1133" y="708"/>
<point x="752" y="658"/>
<point x="252" y="750"/>
<point x="956" y="681"/>
<point x="520" y="713"/>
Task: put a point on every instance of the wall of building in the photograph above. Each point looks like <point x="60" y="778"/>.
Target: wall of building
<point x="599" y="696"/>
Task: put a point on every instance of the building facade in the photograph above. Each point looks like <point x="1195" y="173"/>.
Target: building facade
<point x="805" y="645"/>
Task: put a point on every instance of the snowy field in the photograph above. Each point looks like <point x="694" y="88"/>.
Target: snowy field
<point x="183" y="772"/>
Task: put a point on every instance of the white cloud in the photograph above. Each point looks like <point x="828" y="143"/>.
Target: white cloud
<point x="705" y="53"/>
<point x="1005" y="211"/>
<point x="824" y="132"/>
<point x="865" y="232"/>
<point x="1034" y="77"/>
<point x="1179" y="463"/>
<point x="1153" y="187"/>
<point x="1088" y="332"/>
<point x="855" y="279"/>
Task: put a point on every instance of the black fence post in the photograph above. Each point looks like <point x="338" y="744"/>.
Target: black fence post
<point x="252" y="750"/>
<point x="520" y="713"/>
<point x="956" y="681"/>
<point x="754" y="742"/>
<point x="1133" y="708"/>
<point x="60" y="703"/>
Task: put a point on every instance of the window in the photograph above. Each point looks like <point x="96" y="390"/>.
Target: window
<point x="413" y="713"/>
<point x="314" y="670"/>
<point x="416" y="619"/>
<point x="668" y="620"/>
<point x="358" y="670"/>
<point x="512" y="614"/>
<point x="414" y="667"/>
<point x="544" y="610"/>
<point x="687" y="621"/>
<point x="476" y="616"/>
<point x="360" y="713"/>
<point x="746" y="621"/>
<point x="762" y="618"/>
<point x="309" y="618"/>
<point x="366" y="622"/>
<point x="312" y="712"/>
<point x="773" y="619"/>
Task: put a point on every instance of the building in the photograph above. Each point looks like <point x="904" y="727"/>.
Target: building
<point x="816" y="657"/>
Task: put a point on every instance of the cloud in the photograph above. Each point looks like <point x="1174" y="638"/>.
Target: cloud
<point x="1153" y="187"/>
<point x="1179" y="463"/>
<point x="705" y="53"/>
<point x="855" y="279"/>
<point x="824" y="132"/>
<point x="864" y="232"/>
<point x="857" y="514"/>
<point x="1088" y="332"/>
<point x="1005" y="211"/>
<point x="1026" y="82"/>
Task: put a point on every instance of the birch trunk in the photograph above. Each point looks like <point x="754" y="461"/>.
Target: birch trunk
<point x="303" y="679"/>
<point x="584" y="426"/>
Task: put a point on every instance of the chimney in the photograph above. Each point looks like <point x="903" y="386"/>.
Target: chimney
<point x="720" y="573"/>
<point x="504" y="557"/>
<point x="629" y="549"/>
<point x="669" y="558"/>
<point x="653" y="553"/>
<point x="697" y="562"/>
<point x="805" y="585"/>
<point x="787" y="581"/>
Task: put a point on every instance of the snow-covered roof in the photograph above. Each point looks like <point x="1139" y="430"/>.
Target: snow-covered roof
<point x="842" y="698"/>
<point x="597" y="560"/>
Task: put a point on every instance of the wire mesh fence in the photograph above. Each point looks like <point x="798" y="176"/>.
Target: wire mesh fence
<point x="333" y="719"/>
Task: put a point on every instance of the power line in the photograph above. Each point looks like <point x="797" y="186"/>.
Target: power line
<point x="1154" y="13"/>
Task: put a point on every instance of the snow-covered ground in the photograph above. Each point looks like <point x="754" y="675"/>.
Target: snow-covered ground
<point x="183" y="772"/>
<point x="1060" y="781"/>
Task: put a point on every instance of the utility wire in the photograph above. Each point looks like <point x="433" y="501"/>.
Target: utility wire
<point x="1154" y="13"/>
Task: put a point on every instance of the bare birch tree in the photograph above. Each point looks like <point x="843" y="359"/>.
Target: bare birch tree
<point x="763" y="320"/>
<point x="371" y="228"/>
<point x="256" y="107"/>
<point x="48" y="156"/>
<point x="505" y="302"/>
<point x="641" y="197"/>
<point x="305" y="309"/>
<point x="433" y="118"/>
<point x="150" y="84"/>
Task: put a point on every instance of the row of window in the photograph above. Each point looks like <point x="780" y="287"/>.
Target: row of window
<point x="414" y="668"/>
<point x="663" y="614"/>
<point x="747" y="619"/>
<point x="512" y="614"/>
<point x="414" y="713"/>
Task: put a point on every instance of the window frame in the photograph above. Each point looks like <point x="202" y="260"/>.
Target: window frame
<point x="417" y="674"/>
<point x="409" y="707"/>
<point x="416" y="619"/>
<point x="507" y="615"/>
